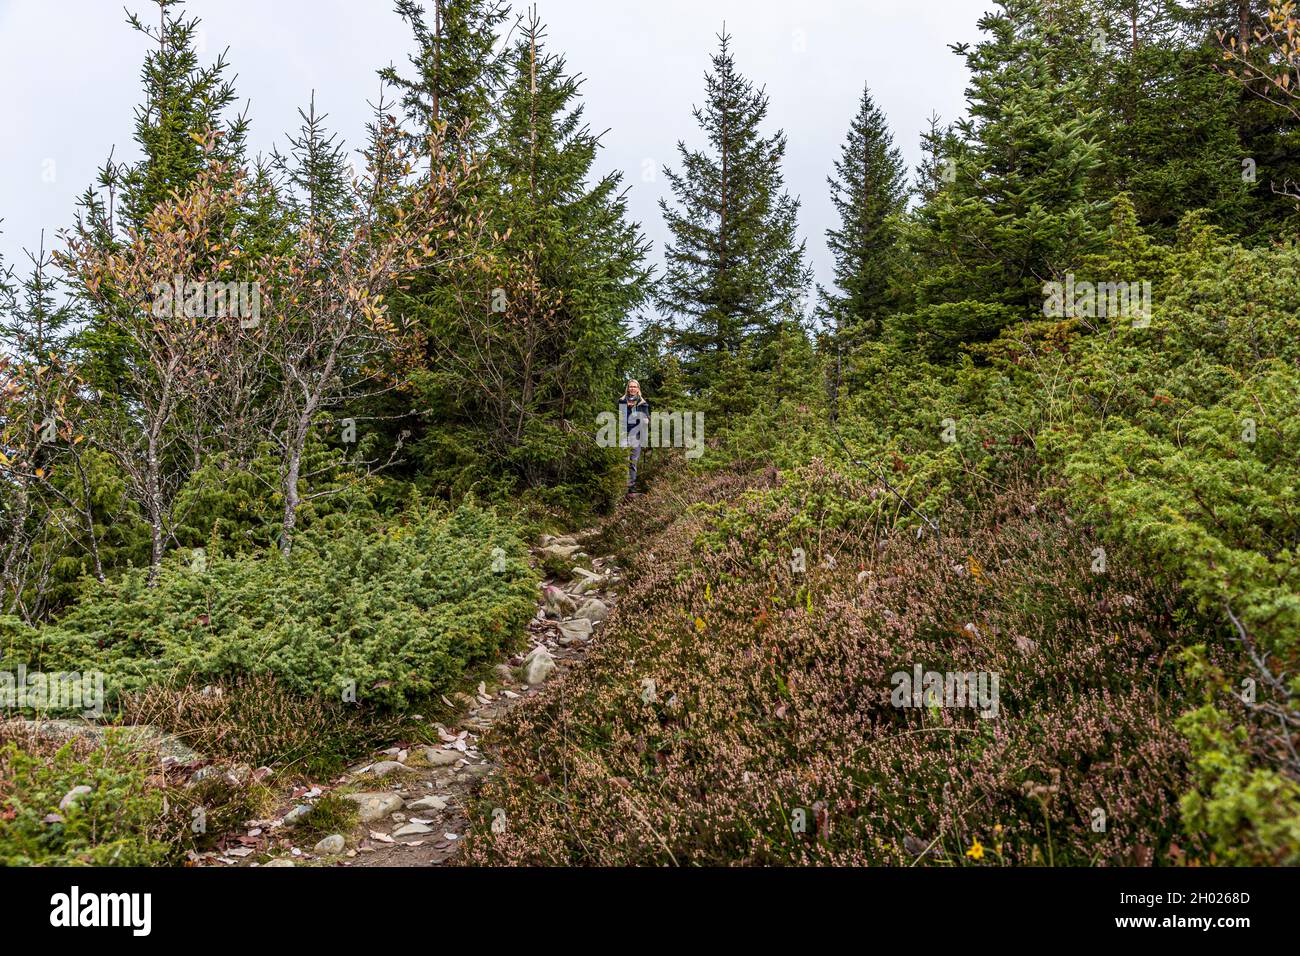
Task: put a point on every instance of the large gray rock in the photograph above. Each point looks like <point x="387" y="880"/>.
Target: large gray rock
<point x="558" y="604"/>
<point x="73" y="795"/>
<point x="593" y="610"/>
<point x="376" y="805"/>
<point x="440" y="757"/>
<point x="332" y="844"/>
<point x="587" y="585"/>
<point x="430" y="802"/>
<point x="538" y="665"/>
<point x="578" y="629"/>
<point x="294" y="816"/>
<point x="385" y="767"/>
<point x="559" y="552"/>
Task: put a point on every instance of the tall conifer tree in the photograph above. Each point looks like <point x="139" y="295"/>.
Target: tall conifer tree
<point x="868" y="191"/>
<point x="1016" y="209"/>
<point x="457" y="73"/>
<point x="182" y="100"/>
<point x="526" y="333"/>
<point x="735" y="266"/>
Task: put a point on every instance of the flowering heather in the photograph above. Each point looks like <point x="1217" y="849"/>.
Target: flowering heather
<point x="769" y="736"/>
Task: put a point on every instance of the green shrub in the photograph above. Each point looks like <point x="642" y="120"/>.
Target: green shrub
<point x="390" y="613"/>
<point x="1182" y="442"/>
<point x="330" y="814"/>
<point x="115" y="824"/>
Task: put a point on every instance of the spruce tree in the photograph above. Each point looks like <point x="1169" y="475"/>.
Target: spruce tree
<point x="1019" y="210"/>
<point x="1168" y="119"/>
<point x="183" y="100"/>
<point x="869" y="194"/>
<point x="181" y="129"/>
<point x="735" y="266"/>
<point x="447" y="104"/>
<point x="936" y="149"/>
<point x="316" y="173"/>
<point x="527" y="332"/>
<point x="47" y="504"/>
<point x="457" y="72"/>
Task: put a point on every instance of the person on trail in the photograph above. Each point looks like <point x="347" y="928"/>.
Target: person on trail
<point x="634" y="412"/>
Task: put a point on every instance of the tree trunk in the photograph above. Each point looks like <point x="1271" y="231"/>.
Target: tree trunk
<point x="153" y="491"/>
<point x="293" y="468"/>
<point x="9" y="576"/>
<point x="89" y="513"/>
<point x="435" y="98"/>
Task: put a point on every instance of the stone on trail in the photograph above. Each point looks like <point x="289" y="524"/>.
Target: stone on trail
<point x="538" y="665"/>
<point x="428" y="803"/>
<point x="559" y="552"/>
<point x="376" y="805"/>
<point x="332" y="844"/>
<point x="385" y="767"/>
<point x="587" y="585"/>
<point x="411" y="829"/>
<point x="578" y="629"/>
<point x="297" y="813"/>
<point x="440" y="757"/>
<point x="558" y="604"/>
<point x="593" y="610"/>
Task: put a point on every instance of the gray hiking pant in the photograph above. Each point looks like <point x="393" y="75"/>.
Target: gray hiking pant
<point x="633" y="459"/>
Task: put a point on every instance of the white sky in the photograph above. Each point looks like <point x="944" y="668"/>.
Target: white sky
<point x="70" y="76"/>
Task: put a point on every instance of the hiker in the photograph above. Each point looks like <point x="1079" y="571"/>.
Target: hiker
<point x="634" y="412"/>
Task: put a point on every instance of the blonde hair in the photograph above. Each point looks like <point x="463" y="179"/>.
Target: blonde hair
<point x="630" y="383"/>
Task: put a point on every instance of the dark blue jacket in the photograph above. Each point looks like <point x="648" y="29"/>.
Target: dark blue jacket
<point x="632" y="415"/>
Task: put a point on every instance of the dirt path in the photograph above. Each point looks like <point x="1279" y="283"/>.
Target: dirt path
<point x="413" y="801"/>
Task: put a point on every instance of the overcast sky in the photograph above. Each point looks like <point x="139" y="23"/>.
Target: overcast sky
<point x="70" y="79"/>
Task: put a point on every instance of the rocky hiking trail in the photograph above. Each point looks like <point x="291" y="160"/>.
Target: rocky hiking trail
<point x="413" y="800"/>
